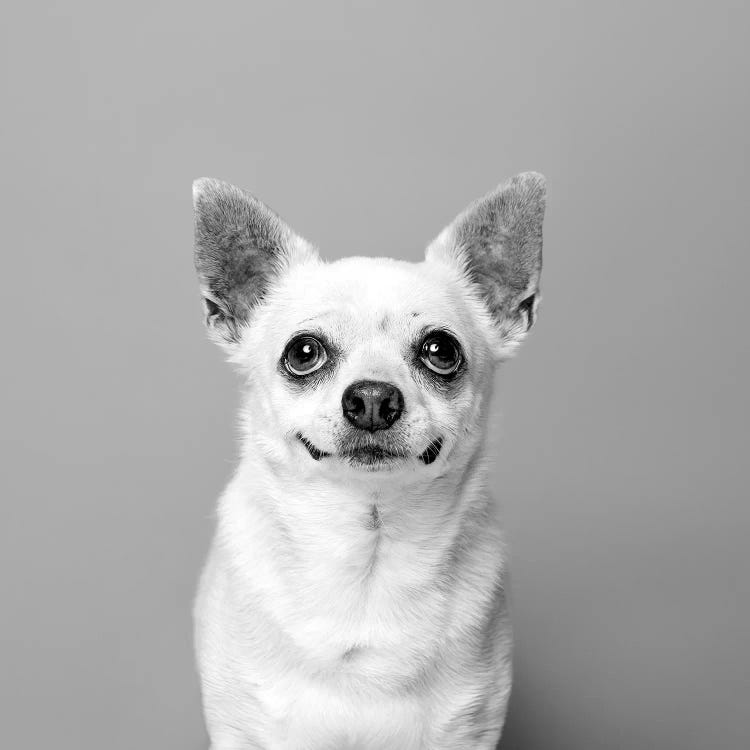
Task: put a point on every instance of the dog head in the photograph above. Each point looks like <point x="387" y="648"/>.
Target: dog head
<point x="368" y="364"/>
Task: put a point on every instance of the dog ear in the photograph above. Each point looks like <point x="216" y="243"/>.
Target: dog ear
<point x="497" y="243"/>
<point x="241" y="246"/>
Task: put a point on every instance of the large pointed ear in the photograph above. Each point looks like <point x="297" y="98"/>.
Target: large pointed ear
<point x="241" y="246"/>
<point x="497" y="243"/>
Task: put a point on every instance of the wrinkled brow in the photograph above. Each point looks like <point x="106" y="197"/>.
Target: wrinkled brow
<point x="320" y="316"/>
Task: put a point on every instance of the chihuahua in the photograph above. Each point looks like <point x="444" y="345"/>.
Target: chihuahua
<point x="354" y="595"/>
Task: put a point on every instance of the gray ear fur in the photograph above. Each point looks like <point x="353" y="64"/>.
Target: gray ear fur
<point x="498" y="243"/>
<point x="240" y="246"/>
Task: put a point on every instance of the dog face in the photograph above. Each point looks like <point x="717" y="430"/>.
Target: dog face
<point x="368" y="365"/>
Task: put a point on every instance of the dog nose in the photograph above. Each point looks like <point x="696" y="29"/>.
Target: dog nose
<point x="372" y="405"/>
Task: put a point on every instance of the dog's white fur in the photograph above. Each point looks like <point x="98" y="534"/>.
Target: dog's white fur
<point x="345" y="607"/>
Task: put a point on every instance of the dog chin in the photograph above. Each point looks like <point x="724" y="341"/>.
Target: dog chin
<point x="373" y="457"/>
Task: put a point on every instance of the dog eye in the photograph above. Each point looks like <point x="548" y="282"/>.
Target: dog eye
<point x="441" y="353"/>
<point x="304" y="355"/>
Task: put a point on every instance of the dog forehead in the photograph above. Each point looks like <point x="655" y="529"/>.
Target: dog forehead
<point x="372" y="289"/>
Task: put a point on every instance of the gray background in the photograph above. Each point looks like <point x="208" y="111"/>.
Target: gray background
<point x="623" y="452"/>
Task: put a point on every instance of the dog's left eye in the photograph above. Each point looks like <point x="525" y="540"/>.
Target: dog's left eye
<point x="304" y="355"/>
<point x="441" y="353"/>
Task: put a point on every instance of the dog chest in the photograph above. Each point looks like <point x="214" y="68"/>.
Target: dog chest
<point x="316" y="714"/>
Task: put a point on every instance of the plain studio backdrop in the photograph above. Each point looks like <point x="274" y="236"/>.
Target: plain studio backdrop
<point x="622" y="440"/>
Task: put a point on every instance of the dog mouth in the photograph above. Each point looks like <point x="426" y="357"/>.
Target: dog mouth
<point x="316" y="453"/>
<point x="432" y="452"/>
<point x="371" y="454"/>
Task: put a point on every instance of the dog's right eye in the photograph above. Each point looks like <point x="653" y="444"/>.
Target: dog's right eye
<point x="304" y="355"/>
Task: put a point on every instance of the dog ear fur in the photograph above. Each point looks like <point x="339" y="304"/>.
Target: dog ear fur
<point x="497" y="243"/>
<point x="241" y="245"/>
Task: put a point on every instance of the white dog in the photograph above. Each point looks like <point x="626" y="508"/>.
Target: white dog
<point x="354" y="592"/>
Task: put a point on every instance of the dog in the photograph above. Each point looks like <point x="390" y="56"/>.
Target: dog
<point x="355" y="592"/>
